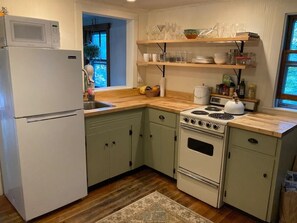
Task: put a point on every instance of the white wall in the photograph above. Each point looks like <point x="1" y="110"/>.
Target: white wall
<point x="265" y="17"/>
<point x="69" y="15"/>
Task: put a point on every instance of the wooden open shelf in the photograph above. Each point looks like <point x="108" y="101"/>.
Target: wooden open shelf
<point x="201" y="40"/>
<point x="194" y="65"/>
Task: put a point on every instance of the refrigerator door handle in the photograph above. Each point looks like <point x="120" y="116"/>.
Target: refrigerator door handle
<point x="39" y="118"/>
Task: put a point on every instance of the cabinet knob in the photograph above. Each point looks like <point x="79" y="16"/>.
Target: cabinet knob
<point x="253" y="141"/>
<point x="106" y="144"/>
<point x="151" y="135"/>
<point x="265" y="175"/>
<point x="113" y="142"/>
<point x="161" y="117"/>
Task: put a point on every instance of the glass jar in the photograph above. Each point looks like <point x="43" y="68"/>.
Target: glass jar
<point x="252" y="91"/>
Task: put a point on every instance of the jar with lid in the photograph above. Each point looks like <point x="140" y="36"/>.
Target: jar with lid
<point x="232" y="56"/>
<point x="252" y="91"/>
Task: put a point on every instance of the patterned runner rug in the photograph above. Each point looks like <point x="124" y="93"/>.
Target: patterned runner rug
<point x="154" y="208"/>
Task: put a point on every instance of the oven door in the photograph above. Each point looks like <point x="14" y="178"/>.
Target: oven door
<point x="201" y="152"/>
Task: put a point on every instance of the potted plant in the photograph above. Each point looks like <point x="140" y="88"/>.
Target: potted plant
<point x="91" y="51"/>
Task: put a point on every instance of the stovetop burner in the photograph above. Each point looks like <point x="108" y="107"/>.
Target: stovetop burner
<point x="212" y="108"/>
<point x="199" y="112"/>
<point x="222" y="116"/>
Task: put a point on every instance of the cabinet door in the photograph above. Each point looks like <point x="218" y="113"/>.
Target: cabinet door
<point x="248" y="181"/>
<point x="120" y="150"/>
<point x="160" y="153"/>
<point x="97" y="157"/>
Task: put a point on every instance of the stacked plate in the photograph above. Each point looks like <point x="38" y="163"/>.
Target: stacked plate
<point x="202" y="59"/>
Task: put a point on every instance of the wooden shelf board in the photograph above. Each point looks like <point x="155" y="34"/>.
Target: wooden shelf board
<point x="224" y="66"/>
<point x="200" y="40"/>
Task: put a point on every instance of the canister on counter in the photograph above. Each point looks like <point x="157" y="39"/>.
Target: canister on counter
<point x="252" y="91"/>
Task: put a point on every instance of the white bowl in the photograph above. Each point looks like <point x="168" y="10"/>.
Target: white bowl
<point x="220" y="55"/>
<point x="220" y="60"/>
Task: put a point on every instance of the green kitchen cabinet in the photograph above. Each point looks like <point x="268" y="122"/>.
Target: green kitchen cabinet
<point x="256" y="167"/>
<point x="113" y="144"/>
<point x="161" y="141"/>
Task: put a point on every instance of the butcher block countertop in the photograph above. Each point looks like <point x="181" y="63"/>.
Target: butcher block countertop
<point x="272" y="125"/>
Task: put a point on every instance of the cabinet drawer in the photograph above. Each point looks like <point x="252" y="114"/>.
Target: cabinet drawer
<point x="162" y="117"/>
<point x="253" y="141"/>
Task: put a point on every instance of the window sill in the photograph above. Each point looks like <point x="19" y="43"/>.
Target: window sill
<point x="280" y="111"/>
<point x="111" y="88"/>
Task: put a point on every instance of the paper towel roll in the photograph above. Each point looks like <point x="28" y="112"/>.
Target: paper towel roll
<point x="162" y="86"/>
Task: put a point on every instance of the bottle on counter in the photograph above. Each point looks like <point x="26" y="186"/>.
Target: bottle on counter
<point x="241" y="89"/>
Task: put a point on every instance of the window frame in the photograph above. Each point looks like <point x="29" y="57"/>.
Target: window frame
<point x="284" y="62"/>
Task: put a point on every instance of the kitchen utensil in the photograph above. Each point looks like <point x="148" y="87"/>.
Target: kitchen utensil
<point x="234" y="106"/>
<point x="201" y="95"/>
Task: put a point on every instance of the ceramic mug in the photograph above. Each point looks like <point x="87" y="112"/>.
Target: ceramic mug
<point x="154" y="57"/>
<point x="146" y="57"/>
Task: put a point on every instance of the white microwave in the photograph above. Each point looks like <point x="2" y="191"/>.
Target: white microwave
<point x="29" y="32"/>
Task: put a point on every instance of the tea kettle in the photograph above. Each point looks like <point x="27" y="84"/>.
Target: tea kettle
<point x="234" y="106"/>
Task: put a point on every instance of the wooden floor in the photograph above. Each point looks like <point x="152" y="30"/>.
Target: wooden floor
<point x="118" y="193"/>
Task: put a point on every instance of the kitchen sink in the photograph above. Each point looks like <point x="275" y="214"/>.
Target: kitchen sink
<point x="88" y="105"/>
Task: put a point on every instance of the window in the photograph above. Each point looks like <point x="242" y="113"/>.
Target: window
<point x="99" y="36"/>
<point x="109" y="34"/>
<point x="287" y="84"/>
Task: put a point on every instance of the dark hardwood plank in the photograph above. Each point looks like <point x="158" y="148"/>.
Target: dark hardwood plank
<point x="117" y="193"/>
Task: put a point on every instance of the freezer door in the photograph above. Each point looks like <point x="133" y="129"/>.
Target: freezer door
<point x="45" y="80"/>
<point x="52" y="161"/>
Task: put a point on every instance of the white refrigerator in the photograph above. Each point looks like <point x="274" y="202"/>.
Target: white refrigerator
<point x="43" y="158"/>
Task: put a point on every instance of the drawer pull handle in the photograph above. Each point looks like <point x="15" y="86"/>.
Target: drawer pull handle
<point x="253" y="141"/>
<point x="161" y="117"/>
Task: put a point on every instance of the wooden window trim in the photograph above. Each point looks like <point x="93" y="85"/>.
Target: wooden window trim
<point x="284" y="62"/>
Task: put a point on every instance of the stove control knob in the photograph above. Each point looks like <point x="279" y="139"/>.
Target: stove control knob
<point x="208" y="125"/>
<point x="216" y="127"/>
<point x="186" y="120"/>
<point x="200" y="123"/>
<point x="193" y="121"/>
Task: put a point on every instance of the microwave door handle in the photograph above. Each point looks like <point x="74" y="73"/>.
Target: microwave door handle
<point x="39" y="118"/>
<point x="202" y="132"/>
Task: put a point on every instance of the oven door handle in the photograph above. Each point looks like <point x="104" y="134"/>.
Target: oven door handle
<point x="202" y="132"/>
<point x="195" y="177"/>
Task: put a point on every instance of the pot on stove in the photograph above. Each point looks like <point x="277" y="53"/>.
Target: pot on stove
<point x="234" y="106"/>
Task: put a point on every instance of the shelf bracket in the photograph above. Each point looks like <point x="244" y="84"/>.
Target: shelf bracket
<point x="238" y="75"/>
<point x="240" y="48"/>
<point x="164" y="51"/>
<point x="162" y="48"/>
<point x="162" y="69"/>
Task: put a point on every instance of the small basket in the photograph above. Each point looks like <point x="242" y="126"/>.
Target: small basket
<point x="150" y="93"/>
